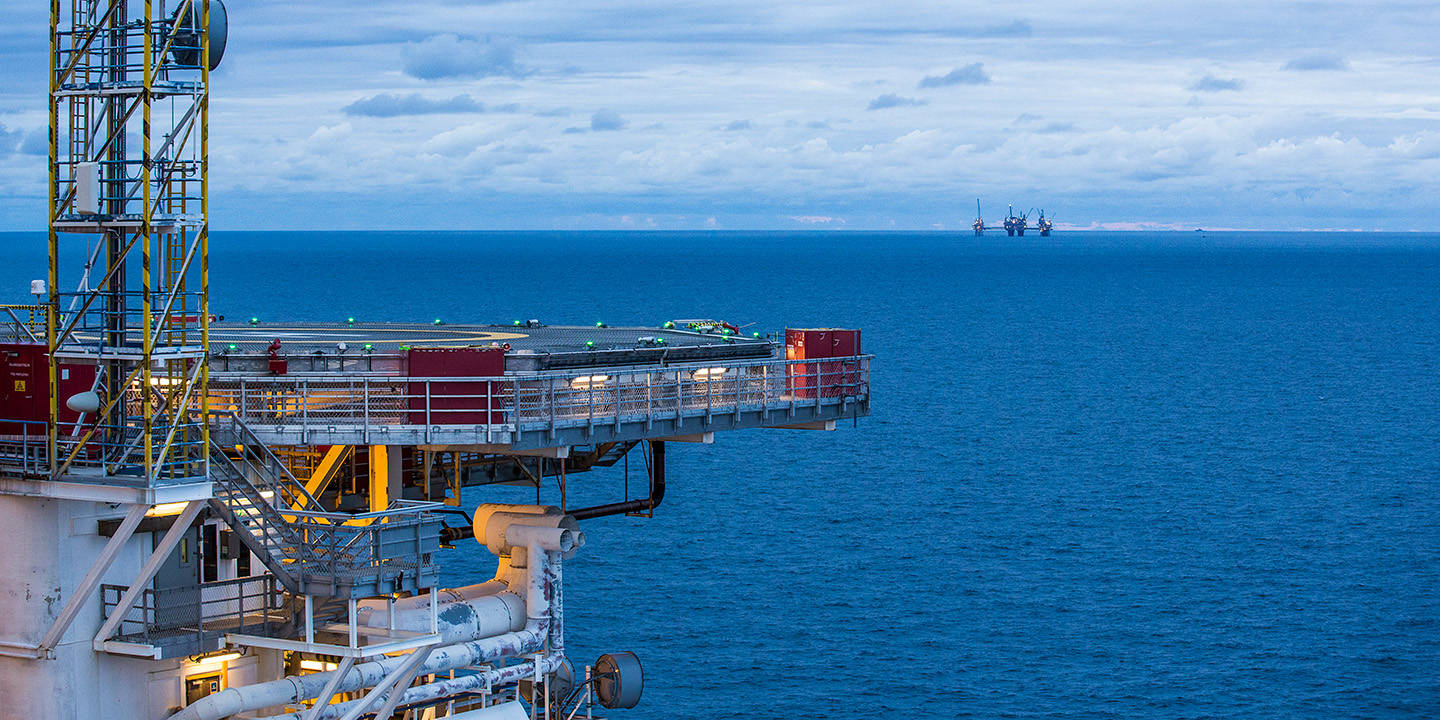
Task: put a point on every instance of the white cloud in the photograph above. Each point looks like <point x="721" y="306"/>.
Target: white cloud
<point x="754" y="112"/>
<point x="394" y="105"/>
<point x="972" y="74"/>
<point x="453" y="56"/>
<point x="606" y="120"/>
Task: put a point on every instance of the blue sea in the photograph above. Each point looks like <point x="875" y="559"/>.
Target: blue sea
<point x="1107" y="475"/>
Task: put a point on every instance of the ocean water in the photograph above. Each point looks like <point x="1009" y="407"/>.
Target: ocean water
<point x="1171" y="475"/>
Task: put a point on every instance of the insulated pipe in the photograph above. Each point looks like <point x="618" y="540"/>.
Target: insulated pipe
<point x="307" y="687"/>
<point x="557" y="610"/>
<point x="540" y="576"/>
<point x="549" y="573"/>
<point x="481" y="617"/>
<point x="554" y="539"/>
<point x="447" y="688"/>
<point x="466" y="613"/>
<point x="493" y="520"/>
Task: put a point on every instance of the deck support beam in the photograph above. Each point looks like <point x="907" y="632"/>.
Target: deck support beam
<point x="326" y="470"/>
<point x="385" y="471"/>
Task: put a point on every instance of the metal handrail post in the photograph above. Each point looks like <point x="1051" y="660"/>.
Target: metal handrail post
<point x="819" y="387"/>
<point x="790" y="382"/>
<point x="765" y="393"/>
<point x="489" y="409"/>
<point x="738" y="382"/>
<point x="304" y="409"/>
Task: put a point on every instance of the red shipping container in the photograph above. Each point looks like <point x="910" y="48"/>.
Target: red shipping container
<point x="833" y="379"/>
<point x="476" y="406"/>
<point x="25" y="387"/>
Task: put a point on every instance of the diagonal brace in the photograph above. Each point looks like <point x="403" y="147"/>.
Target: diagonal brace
<point x="147" y="572"/>
<point x="86" y="589"/>
<point x="329" y="692"/>
<point x="395" y="683"/>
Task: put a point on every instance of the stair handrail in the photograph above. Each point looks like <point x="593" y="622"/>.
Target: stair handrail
<point x="269" y="516"/>
<point x="294" y="490"/>
<point x="306" y="535"/>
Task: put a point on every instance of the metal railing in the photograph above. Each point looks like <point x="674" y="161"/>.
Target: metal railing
<point x="266" y="470"/>
<point x="541" y="400"/>
<point x="354" y="547"/>
<point x="302" y="543"/>
<point x="22" y="323"/>
<point x="109" y="456"/>
<point x="24" y="447"/>
<point x="186" y="619"/>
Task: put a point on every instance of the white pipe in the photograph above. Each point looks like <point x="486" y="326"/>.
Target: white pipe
<point x="305" y="687"/>
<point x="479" y="617"/>
<point x="481" y="613"/>
<point x="557" y="610"/>
<point x="553" y="612"/>
<point x="448" y="687"/>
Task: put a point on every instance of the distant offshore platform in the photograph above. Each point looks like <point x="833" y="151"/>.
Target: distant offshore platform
<point x="1014" y="224"/>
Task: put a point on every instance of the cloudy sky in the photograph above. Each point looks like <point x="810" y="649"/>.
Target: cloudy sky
<point x="822" y="114"/>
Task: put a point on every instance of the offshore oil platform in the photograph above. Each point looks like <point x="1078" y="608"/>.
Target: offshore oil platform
<point x="1014" y="224"/>
<point x="211" y="520"/>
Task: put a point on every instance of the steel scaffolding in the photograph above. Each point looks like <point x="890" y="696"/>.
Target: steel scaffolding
<point x="128" y="157"/>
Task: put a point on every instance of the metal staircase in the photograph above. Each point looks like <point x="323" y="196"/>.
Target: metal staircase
<point x="614" y="452"/>
<point x="310" y="550"/>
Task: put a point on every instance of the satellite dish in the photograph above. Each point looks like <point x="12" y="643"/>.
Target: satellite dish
<point x="186" y="49"/>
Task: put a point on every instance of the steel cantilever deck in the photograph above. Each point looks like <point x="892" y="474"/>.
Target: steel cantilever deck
<point x="560" y="386"/>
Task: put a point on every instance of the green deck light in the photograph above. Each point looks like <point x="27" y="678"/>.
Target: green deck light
<point x="231" y="346"/>
<point x="589" y="343"/>
<point x="668" y="325"/>
<point x="518" y="323"/>
<point x="757" y="335"/>
<point x="350" y="320"/>
<point x="369" y="347"/>
<point x="438" y="321"/>
<point x="254" y="321"/>
<point x="600" y="324"/>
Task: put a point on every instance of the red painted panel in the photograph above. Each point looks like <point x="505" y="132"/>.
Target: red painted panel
<point x="25" y="385"/>
<point x="456" y="403"/>
<point x="830" y="377"/>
